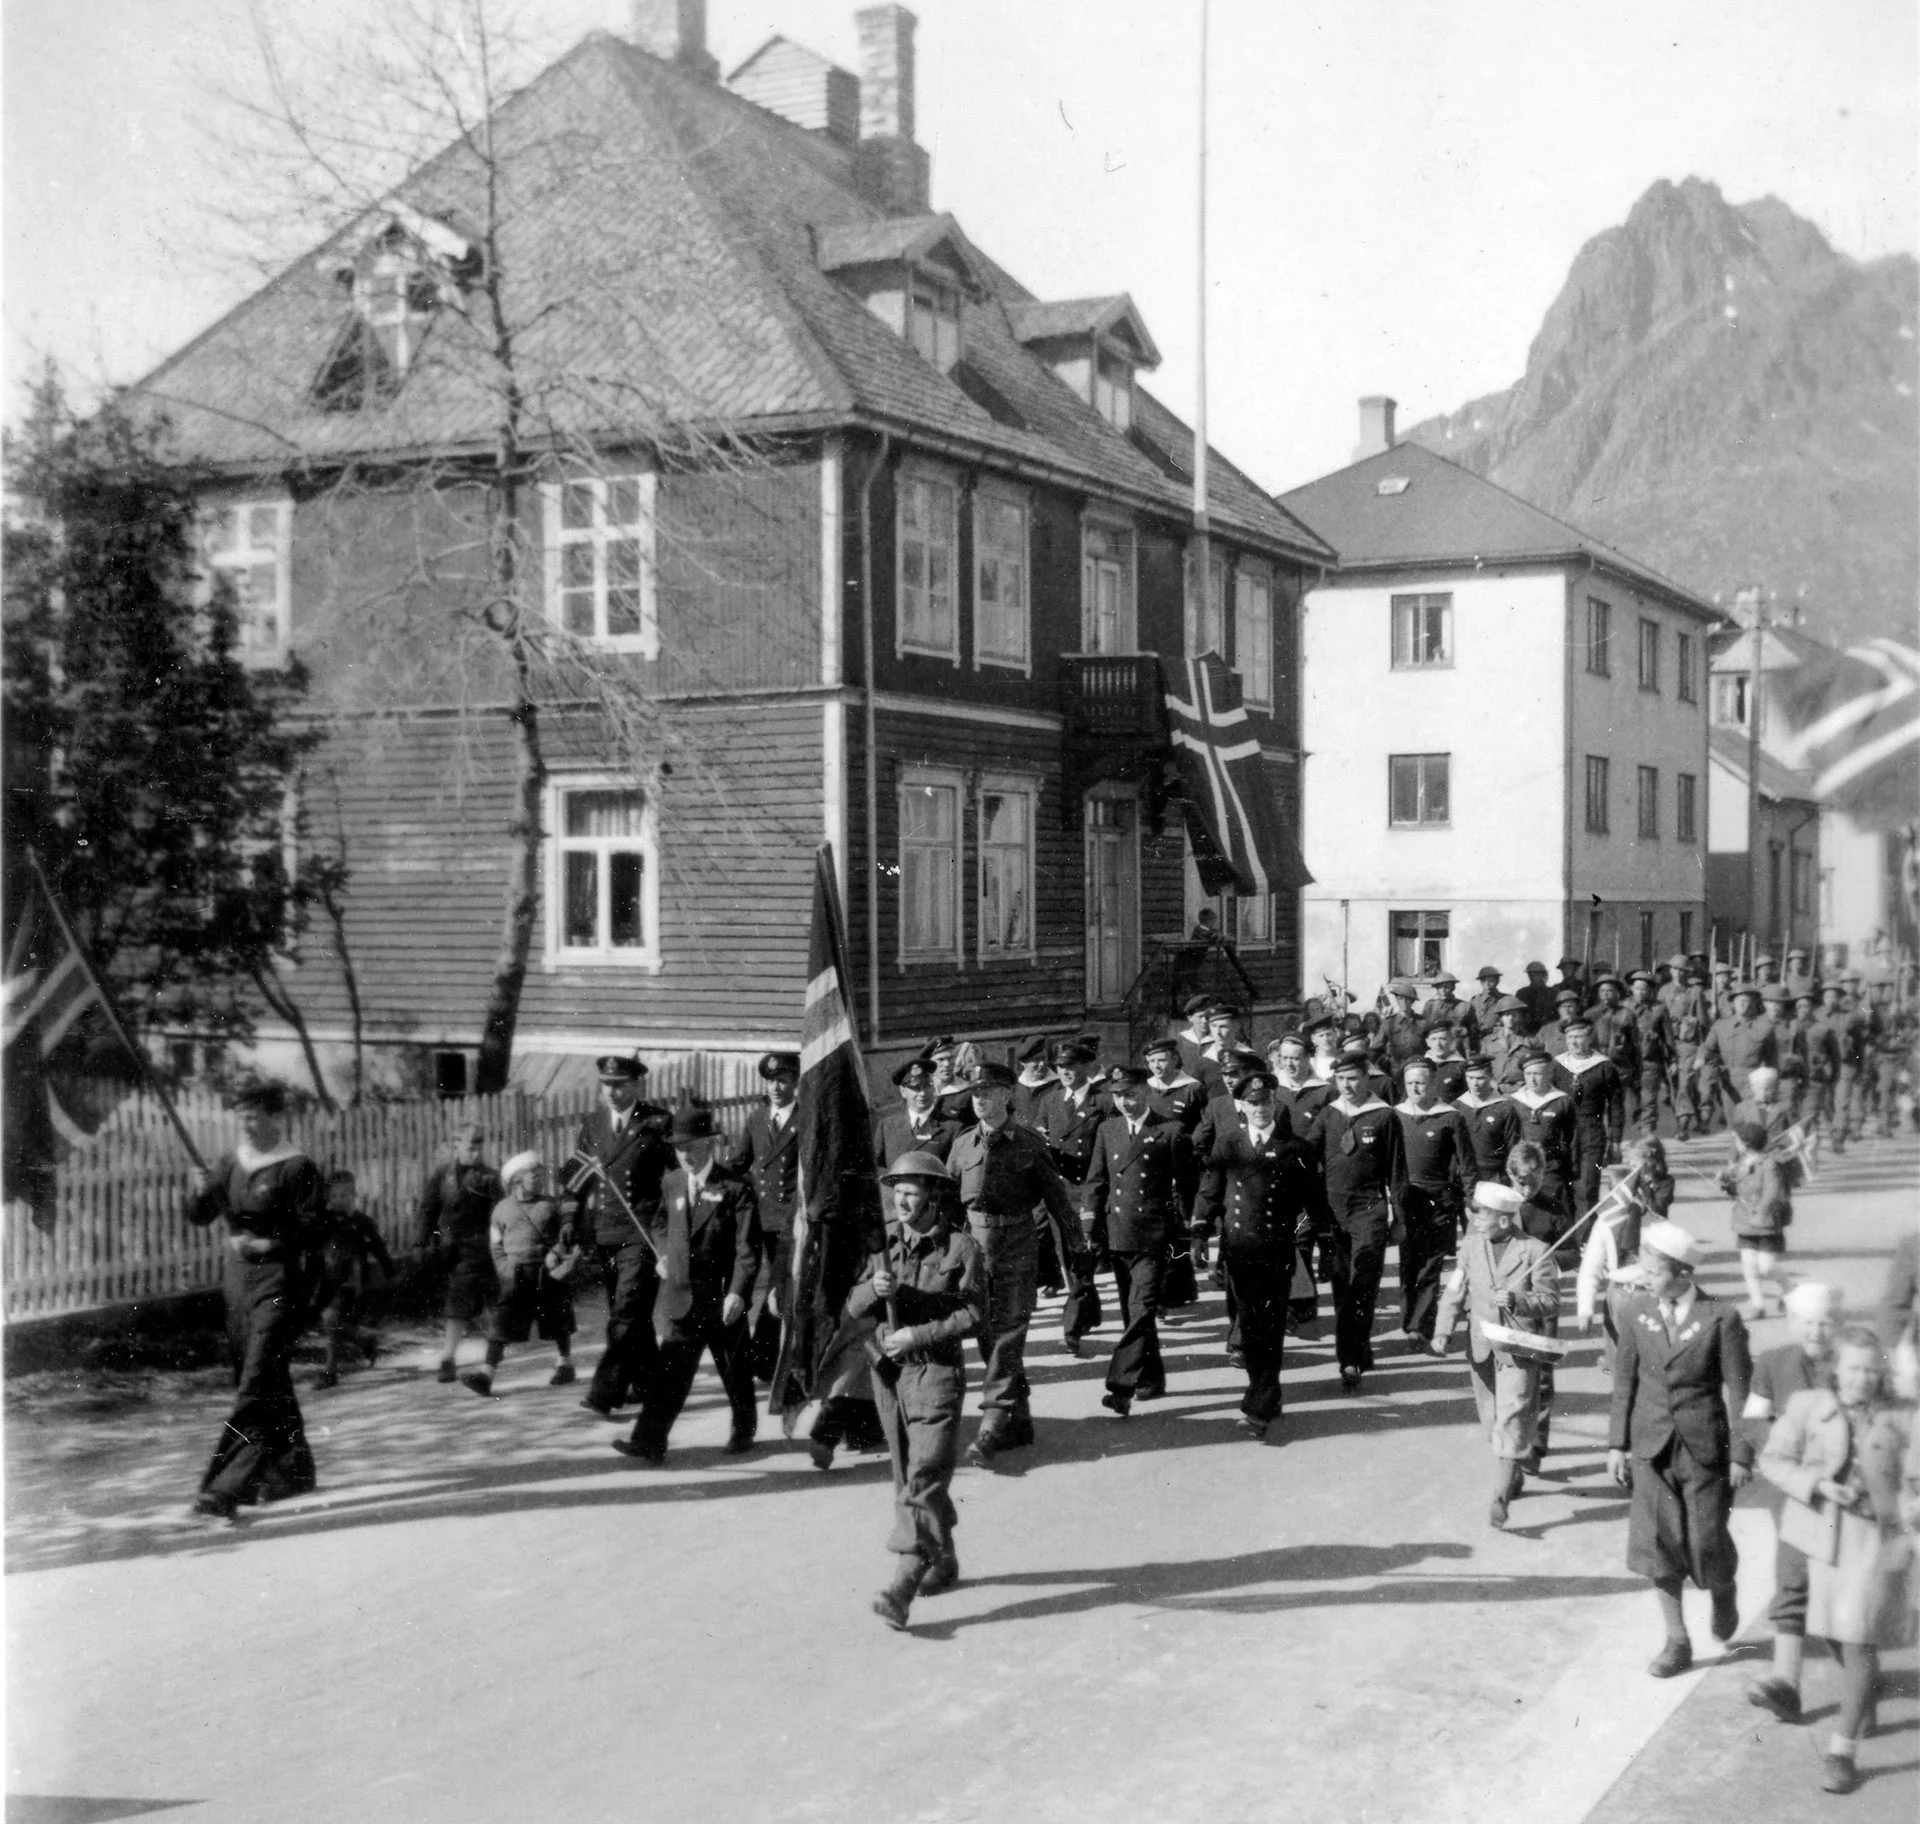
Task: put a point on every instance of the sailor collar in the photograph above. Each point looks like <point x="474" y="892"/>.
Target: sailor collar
<point x="250" y="1161"/>
<point x="1350" y="1109"/>
<point x="1465" y="1100"/>
<point x="1526" y="1096"/>
<point x="1294" y="1089"/>
<point x="1578" y="1066"/>
<point x="1180" y="1080"/>
<point x="1410" y="1107"/>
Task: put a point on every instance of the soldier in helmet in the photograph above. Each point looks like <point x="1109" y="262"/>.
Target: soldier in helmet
<point x="929" y="1291"/>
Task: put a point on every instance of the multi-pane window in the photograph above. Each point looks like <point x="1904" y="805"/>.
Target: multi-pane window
<point x="1253" y="634"/>
<point x="1599" y="637"/>
<point x="1649" y="654"/>
<point x="1106" y="588"/>
<point x="247" y="542"/>
<point x="1423" y="629"/>
<point x="1207" y="619"/>
<point x="1686" y="790"/>
<point x="606" y="874"/>
<point x="1730" y="699"/>
<point x="1113" y="391"/>
<point x="1419" y="943"/>
<point x="1648" y="780"/>
<point x="933" y="321"/>
<point x="1685" y="684"/>
<point x="1249" y="922"/>
<point x="929" y="560"/>
<point x="1417" y="788"/>
<point x="999" y="578"/>
<point x="1006" y="868"/>
<point x="1597" y="771"/>
<point x="599" y="550"/>
<point x="929" y="864"/>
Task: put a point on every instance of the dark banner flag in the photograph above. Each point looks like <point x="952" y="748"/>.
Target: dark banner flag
<point x="837" y="1218"/>
<point x="1241" y="841"/>
<point x="65" y="1064"/>
<point x="1853" y="721"/>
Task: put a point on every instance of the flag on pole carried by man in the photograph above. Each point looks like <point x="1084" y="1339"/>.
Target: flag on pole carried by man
<point x="1241" y="840"/>
<point x="59" y="1032"/>
<point x="837" y="1214"/>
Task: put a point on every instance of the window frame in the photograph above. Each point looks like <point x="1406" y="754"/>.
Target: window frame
<point x="1420" y="938"/>
<point x="1110" y="525"/>
<point x="1647" y="798"/>
<point x="1599" y="637"/>
<point x="1686" y="807"/>
<point x="559" y="954"/>
<point x="240" y="562"/>
<point x="986" y="498"/>
<point x="1112" y="397"/>
<point x="1421" y="771"/>
<point x="1251" y="578"/>
<point x="598" y="535"/>
<point x="1415" y="602"/>
<point x="928" y="296"/>
<point x="922" y="778"/>
<point x="1649" y="654"/>
<point x="1731" y="685"/>
<point x="1685" y="683"/>
<point x="932" y="475"/>
<point x="1233" y="919"/>
<point x="1215" y="612"/>
<point x="1599" y="820"/>
<point x="1007" y="785"/>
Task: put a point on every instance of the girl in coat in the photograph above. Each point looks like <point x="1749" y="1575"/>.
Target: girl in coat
<point x="1839" y="1454"/>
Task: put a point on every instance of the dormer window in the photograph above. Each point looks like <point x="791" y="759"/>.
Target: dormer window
<point x="1113" y="391"/>
<point x="934" y="328"/>
<point x="398" y="277"/>
<point x="911" y="275"/>
<point x="1093" y="345"/>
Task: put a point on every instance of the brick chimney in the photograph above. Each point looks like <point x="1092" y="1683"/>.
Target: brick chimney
<point x="890" y="169"/>
<point x="1376" y="426"/>
<point x="675" y="31"/>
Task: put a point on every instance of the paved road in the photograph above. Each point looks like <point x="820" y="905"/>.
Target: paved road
<point x="486" y="1614"/>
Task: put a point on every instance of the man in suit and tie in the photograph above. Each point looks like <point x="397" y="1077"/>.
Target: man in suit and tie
<point x="618" y="1160"/>
<point x="768" y="1157"/>
<point x="1680" y="1381"/>
<point x="1135" y="1181"/>
<point x="1067" y="1117"/>
<point x="709" y="1242"/>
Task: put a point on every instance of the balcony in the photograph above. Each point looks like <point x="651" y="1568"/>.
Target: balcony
<point x="1114" y="696"/>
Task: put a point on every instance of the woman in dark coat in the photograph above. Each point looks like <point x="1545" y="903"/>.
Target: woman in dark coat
<point x="273" y="1200"/>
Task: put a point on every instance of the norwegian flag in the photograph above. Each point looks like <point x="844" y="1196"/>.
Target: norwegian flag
<point x="1853" y="722"/>
<point x="1801" y="1144"/>
<point x="55" y="1009"/>
<point x="1241" y="842"/>
<point x="836" y="1222"/>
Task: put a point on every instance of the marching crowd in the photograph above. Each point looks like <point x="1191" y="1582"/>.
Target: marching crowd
<point x="1494" y="1142"/>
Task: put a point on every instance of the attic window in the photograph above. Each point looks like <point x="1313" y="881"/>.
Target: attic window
<point x="398" y="283"/>
<point x="1113" y="390"/>
<point x="1393" y="484"/>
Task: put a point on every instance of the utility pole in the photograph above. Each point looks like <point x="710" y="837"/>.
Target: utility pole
<point x="1756" y="633"/>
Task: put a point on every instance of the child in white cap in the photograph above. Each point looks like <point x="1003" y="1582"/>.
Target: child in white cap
<point x="1680" y="1382"/>
<point x="1504" y="1277"/>
<point x="533" y="1254"/>
<point x="1760" y="1179"/>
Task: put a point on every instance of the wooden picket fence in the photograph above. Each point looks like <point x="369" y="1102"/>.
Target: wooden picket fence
<point x="120" y="1231"/>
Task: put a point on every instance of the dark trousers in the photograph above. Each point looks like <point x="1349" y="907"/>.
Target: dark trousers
<point x="627" y="1272"/>
<point x="772" y="1284"/>
<point x="1354" y="1253"/>
<point x="1589" y="1156"/>
<point x="1012" y="1250"/>
<point x="1136" y="1362"/>
<point x="1431" y="1226"/>
<point x="1677" y="1524"/>
<point x="1258" y="1284"/>
<point x="262" y="1454"/>
<point x="1692" y="1100"/>
<point x="1073" y="1325"/>
<point x="920" y="1413"/>
<point x="1646" y="1101"/>
<point x="678" y="1360"/>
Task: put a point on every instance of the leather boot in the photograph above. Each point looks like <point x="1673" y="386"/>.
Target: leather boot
<point x="892" y="1603"/>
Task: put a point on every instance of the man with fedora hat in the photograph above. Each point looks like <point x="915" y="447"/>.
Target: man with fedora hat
<point x="273" y="1201"/>
<point x="768" y="1157"/>
<point x="1004" y="1179"/>
<point x="928" y="1292"/>
<point x="1680" y="1379"/>
<point x="709" y="1242"/>
<point x="619" y="1158"/>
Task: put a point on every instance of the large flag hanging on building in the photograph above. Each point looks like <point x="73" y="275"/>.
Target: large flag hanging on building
<point x="1240" y="836"/>
<point x="57" y="1026"/>
<point x="837" y="1217"/>
<point x="1853" y="722"/>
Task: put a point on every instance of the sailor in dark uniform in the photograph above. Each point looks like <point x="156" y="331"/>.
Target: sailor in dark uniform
<point x="1544" y="1114"/>
<point x="1436" y="1169"/>
<point x="1594" y="1085"/>
<point x="768" y="1158"/>
<point x="1356" y="1142"/>
<point x="1492" y="1124"/>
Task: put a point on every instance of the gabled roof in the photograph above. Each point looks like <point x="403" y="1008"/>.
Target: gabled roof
<point x="1781" y="783"/>
<point x="1406" y="507"/>
<point x="1781" y="649"/>
<point x="659" y="250"/>
<point x="894" y="239"/>
<point x="782" y="49"/>
<point x="1050" y="319"/>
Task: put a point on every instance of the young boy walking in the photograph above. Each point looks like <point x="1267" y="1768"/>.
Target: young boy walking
<point x="529" y="1241"/>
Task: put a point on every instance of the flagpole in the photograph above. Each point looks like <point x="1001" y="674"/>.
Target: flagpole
<point x="113" y="1018"/>
<point x="1202" y="583"/>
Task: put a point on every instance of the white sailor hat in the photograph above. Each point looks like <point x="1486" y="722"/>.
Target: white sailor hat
<point x="1491" y="1196"/>
<point x="1670" y="1239"/>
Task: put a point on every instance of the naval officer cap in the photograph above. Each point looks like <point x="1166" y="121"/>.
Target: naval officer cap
<point x="780" y="1064"/>
<point x="915" y="1073"/>
<point x="619" y="1067"/>
<point x="1076" y="1051"/>
<point x="1253" y="1079"/>
<point x="989" y="1073"/>
<point x="1128" y="1076"/>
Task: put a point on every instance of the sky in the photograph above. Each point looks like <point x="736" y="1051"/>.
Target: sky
<point x="1396" y="188"/>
